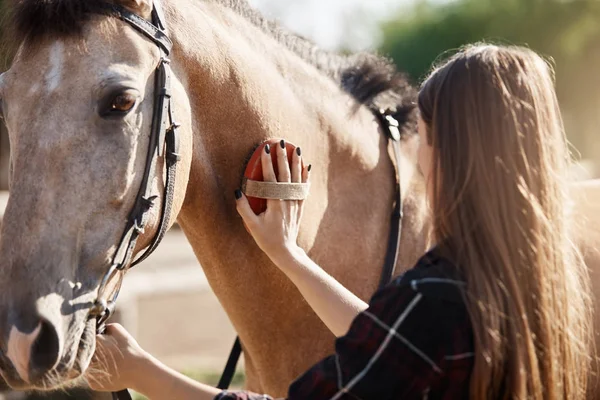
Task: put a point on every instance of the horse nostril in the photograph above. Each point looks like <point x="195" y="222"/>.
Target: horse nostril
<point x="45" y="349"/>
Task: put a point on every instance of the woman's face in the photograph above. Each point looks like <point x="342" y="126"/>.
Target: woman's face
<point x="425" y="158"/>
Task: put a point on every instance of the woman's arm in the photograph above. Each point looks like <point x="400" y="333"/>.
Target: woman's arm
<point x="124" y="364"/>
<point x="276" y="232"/>
<point x="335" y="305"/>
<point x="156" y="381"/>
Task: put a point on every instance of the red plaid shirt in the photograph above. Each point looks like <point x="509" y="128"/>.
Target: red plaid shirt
<point x="415" y="341"/>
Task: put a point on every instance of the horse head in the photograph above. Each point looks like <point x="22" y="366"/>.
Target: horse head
<point x="78" y="103"/>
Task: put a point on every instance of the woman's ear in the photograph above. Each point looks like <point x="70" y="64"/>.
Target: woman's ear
<point x="143" y="8"/>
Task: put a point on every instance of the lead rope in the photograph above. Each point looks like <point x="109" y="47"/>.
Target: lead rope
<point x="391" y="126"/>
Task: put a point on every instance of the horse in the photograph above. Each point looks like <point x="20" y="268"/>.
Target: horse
<point x="78" y="104"/>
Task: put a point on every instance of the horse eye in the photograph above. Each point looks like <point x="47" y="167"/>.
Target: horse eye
<point x="123" y="103"/>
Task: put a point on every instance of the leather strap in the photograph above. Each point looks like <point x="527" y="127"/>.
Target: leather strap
<point x="158" y="17"/>
<point x="122" y="395"/>
<point x="153" y="32"/>
<point x="275" y="190"/>
<point x="391" y="127"/>
<point x="163" y="142"/>
<point x="163" y="118"/>
<point x="232" y="361"/>
<point x="163" y="133"/>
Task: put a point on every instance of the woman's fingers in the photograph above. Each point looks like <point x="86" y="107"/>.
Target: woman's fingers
<point x="306" y="174"/>
<point x="282" y="162"/>
<point x="115" y="329"/>
<point x="305" y="179"/>
<point x="244" y="209"/>
<point x="267" y="165"/>
<point x="297" y="166"/>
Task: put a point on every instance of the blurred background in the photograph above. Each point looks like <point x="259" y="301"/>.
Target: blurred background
<point x="414" y="33"/>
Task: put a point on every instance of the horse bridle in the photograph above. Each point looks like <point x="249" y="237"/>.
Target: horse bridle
<point x="164" y="143"/>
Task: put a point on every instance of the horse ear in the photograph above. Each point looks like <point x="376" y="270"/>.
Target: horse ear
<point x="143" y="8"/>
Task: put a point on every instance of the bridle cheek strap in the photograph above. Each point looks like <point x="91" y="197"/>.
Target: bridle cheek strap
<point x="163" y="142"/>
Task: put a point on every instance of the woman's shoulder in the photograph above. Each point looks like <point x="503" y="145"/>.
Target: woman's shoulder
<point x="434" y="276"/>
<point x="426" y="310"/>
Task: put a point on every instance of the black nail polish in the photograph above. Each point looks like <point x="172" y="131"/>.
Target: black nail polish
<point x="298" y="151"/>
<point x="238" y="194"/>
<point x="282" y="144"/>
<point x="268" y="149"/>
<point x="309" y="168"/>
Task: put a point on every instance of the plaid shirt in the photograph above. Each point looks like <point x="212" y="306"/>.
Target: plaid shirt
<point x="415" y="341"/>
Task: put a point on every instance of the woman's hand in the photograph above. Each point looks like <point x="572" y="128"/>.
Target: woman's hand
<point x="276" y="230"/>
<point x="121" y="363"/>
<point x="116" y="360"/>
<point x="276" y="233"/>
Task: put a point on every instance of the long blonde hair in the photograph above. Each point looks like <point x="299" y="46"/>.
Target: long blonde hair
<point x="500" y="212"/>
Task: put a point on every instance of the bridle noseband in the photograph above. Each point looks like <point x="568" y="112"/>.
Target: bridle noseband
<point x="163" y="143"/>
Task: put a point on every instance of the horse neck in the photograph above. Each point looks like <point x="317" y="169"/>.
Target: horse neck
<point x="245" y="86"/>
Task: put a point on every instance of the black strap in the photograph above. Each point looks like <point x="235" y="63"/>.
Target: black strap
<point x="164" y="131"/>
<point x="158" y="16"/>
<point x="163" y="135"/>
<point x="153" y="32"/>
<point x="122" y="395"/>
<point x="232" y="361"/>
<point x="391" y="126"/>
<point x="163" y="118"/>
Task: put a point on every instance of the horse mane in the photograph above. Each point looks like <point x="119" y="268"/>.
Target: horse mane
<point x="371" y="79"/>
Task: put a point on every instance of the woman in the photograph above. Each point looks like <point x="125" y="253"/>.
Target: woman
<point x="499" y="309"/>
